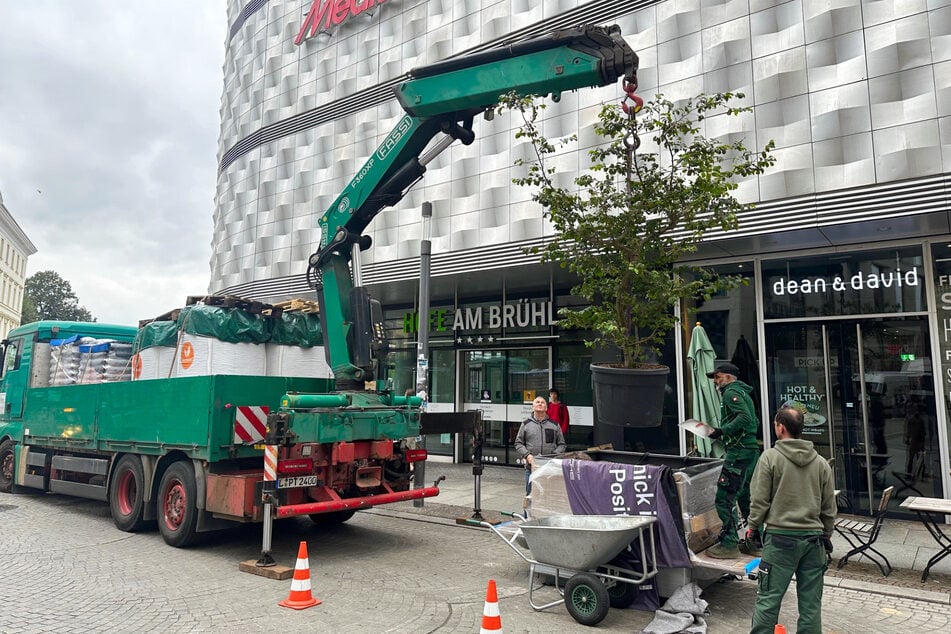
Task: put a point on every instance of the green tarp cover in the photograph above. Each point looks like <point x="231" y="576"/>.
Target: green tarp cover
<point x="297" y="329"/>
<point x="157" y="333"/>
<point x="233" y="326"/>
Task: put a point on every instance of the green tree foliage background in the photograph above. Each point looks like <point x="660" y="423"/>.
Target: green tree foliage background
<point x="48" y="296"/>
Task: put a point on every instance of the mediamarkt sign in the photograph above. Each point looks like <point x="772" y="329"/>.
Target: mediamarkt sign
<point x="324" y="14"/>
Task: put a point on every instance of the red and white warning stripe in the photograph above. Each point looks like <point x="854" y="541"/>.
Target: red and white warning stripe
<point x="250" y="423"/>
<point x="270" y="463"/>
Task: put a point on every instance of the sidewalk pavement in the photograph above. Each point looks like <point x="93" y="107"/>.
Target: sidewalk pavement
<point x="907" y="544"/>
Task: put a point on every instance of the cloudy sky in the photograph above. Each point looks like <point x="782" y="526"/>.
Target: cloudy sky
<point x="108" y="142"/>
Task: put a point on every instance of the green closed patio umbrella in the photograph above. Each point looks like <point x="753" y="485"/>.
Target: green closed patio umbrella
<point x="706" y="399"/>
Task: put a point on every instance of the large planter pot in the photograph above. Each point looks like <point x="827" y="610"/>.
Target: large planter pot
<point x="629" y="397"/>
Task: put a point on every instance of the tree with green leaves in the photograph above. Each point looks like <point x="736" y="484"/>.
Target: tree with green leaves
<point x="631" y="218"/>
<point x="46" y="295"/>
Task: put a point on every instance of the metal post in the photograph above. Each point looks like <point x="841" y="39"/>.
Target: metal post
<point x="478" y="438"/>
<point x="270" y="477"/>
<point x="422" y="329"/>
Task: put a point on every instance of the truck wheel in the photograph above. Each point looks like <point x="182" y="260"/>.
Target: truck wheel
<point x="6" y="466"/>
<point x="177" y="513"/>
<point x="127" y="495"/>
<point x="331" y="519"/>
<point x="586" y="599"/>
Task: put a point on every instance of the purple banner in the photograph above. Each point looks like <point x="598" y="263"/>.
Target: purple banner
<point x="608" y="488"/>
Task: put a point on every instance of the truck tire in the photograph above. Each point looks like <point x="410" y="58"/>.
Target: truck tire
<point x="331" y="519"/>
<point x="127" y="494"/>
<point x="6" y="466"/>
<point x="176" y="510"/>
<point x="586" y="598"/>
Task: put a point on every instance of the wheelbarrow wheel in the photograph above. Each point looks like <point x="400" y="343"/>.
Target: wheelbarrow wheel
<point x="623" y="594"/>
<point x="587" y="599"/>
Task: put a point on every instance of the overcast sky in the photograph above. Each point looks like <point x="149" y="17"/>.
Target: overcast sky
<point x="108" y="142"/>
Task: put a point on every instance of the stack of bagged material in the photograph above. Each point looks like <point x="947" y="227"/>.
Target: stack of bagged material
<point x="103" y="360"/>
<point x="64" y="361"/>
<point x="92" y="354"/>
<point x="117" y="365"/>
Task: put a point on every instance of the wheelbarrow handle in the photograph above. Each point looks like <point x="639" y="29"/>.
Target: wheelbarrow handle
<point x="510" y="541"/>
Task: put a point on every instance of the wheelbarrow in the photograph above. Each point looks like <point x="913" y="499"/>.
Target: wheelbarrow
<point x="580" y="549"/>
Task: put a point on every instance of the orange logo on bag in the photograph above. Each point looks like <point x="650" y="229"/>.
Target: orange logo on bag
<point x="136" y="366"/>
<point x="188" y="355"/>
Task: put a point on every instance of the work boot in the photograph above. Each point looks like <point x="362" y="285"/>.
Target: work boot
<point x="720" y="551"/>
<point x="750" y="548"/>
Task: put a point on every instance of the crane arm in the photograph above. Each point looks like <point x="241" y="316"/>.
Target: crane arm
<point x="443" y="98"/>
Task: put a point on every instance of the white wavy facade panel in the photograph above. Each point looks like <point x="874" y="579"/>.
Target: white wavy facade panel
<point x="854" y="94"/>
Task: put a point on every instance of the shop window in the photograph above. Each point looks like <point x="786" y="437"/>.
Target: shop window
<point x="862" y="282"/>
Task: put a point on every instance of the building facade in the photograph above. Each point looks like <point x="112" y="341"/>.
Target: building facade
<point x="847" y="251"/>
<point x="15" y="248"/>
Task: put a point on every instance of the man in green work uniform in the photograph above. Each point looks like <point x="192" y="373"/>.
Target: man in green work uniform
<point x="738" y="431"/>
<point x="792" y="494"/>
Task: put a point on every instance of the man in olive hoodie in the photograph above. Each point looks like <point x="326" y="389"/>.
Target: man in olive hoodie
<point x="737" y="430"/>
<point x="793" y="496"/>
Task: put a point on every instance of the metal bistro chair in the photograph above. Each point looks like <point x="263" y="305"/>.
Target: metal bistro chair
<point x="861" y="536"/>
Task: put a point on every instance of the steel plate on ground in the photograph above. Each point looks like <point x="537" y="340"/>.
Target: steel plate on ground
<point x="581" y="542"/>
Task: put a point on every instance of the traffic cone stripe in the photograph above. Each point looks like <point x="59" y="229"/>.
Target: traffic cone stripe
<point x="300" y="596"/>
<point x="491" y="620"/>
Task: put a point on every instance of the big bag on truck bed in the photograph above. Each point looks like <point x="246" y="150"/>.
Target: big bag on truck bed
<point x="204" y="339"/>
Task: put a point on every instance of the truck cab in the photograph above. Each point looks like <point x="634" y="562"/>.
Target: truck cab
<point x="25" y="364"/>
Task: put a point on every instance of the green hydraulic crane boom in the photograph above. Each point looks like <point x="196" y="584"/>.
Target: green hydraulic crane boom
<point x="443" y="98"/>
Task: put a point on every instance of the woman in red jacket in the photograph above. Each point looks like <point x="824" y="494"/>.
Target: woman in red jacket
<point x="558" y="411"/>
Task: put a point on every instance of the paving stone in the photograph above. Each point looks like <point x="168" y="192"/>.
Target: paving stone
<point x="68" y="569"/>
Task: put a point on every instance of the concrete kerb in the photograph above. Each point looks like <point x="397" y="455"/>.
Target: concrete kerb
<point x="941" y="598"/>
<point x="499" y="482"/>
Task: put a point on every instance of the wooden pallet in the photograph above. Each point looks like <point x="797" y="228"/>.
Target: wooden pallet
<point x="251" y="306"/>
<point x="228" y="301"/>
<point x="298" y="305"/>
<point x="171" y="315"/>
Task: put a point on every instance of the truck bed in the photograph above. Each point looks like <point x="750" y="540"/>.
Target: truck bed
<point x="193" y="414"/>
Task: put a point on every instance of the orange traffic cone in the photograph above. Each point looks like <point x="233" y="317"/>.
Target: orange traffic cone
<point x="491" y="619"/>
<point x="779" y="629"/>
<point x="300" y="597"/>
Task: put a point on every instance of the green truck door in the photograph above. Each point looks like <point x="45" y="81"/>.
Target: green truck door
<point x="16" y="366"/>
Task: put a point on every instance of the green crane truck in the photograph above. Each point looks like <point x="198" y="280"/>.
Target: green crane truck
<point x="166" y="450"/>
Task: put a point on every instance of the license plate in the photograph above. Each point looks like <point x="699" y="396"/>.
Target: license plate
<point x="295" y="482"/>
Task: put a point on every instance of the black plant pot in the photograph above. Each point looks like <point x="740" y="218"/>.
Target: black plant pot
<point x="629" y="397"/>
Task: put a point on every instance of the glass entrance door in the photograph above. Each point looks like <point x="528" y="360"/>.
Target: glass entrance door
<point x="869" y="393"/>
<point x="502" y="383"/>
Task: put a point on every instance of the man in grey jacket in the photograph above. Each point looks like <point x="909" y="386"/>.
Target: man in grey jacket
<point x="538" y="436"/>
<point x="792" y="494"/>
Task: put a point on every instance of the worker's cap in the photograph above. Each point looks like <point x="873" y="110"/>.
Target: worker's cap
<point x="724" y="368"/>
